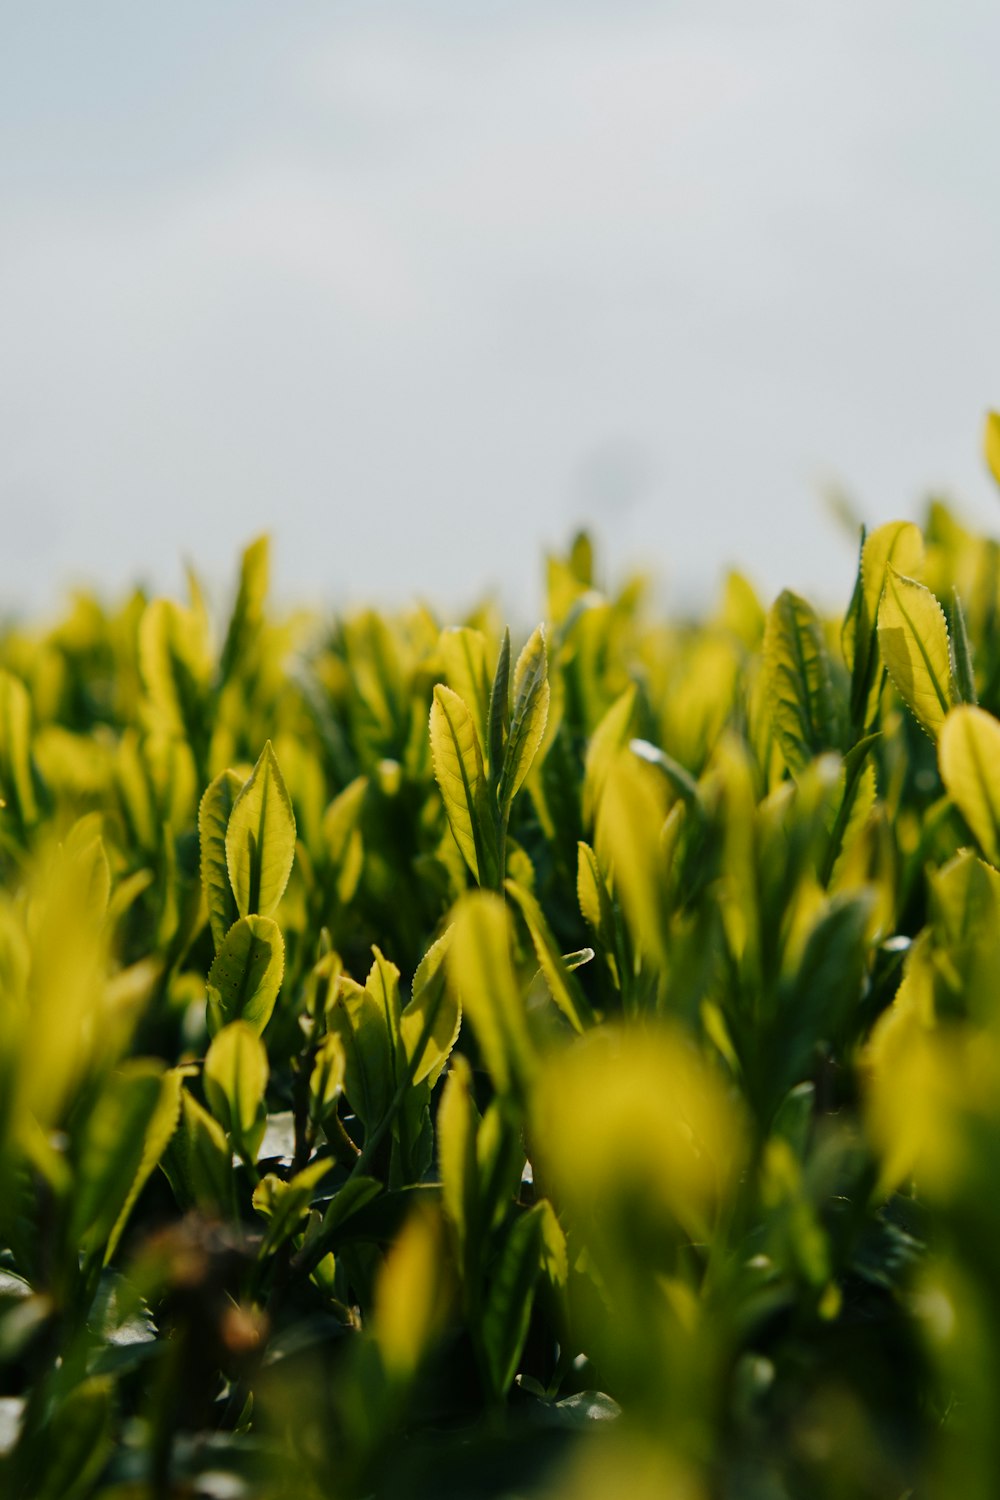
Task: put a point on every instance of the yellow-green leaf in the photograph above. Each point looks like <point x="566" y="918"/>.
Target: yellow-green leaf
<point x="235" y="1080"/>
<point x="611" y="735"/>
<point x="359" y="1020"/>
<point x="260" y="839"/>
<point x="798" y="682"/>
<point x="16" y="783"/>
<point x="248" y="611"/>
<point x="991" y="443"/>
<point x="565" y="988"/>
<point x="527" y="720"/>
<point x="245" y="977"/>
<point x="342" y="832"/>
<point x="326" y="1082"/>
<point x="433" y="1012"/>
<point x="482" y="977"/>
<point x="175" y="665"/>
<point x="464" y="654"/>
<point x="458" y="767"/>
<point x="457" y="1124"/>
<point x="213" y="820"/>
<point x="969" y="758"/>
<point x="913" y="638"/>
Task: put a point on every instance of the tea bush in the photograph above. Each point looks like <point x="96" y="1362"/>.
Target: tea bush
<point x="435" y="1069"/>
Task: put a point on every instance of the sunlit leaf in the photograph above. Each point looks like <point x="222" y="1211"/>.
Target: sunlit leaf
<point x="969" y="757"/>
<point x="913" y="639"/>
<point x="260" y="839"/>
<point x="245" y="978"/>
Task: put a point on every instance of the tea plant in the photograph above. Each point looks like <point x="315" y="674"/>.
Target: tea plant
<point x="430" y="1068"/>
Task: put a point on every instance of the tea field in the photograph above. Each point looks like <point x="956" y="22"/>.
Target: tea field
<point x="437" y="1065"/>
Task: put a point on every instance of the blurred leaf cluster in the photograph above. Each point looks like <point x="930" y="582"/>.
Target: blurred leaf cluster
<point x="431" y="1067"/>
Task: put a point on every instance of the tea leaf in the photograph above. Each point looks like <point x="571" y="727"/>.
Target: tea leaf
<point x="481" y="975"/>
<point x="528" y="718"/>
<point x="565" y="988"/>
<point x="913" y="638"/>
<point x="799" y="684"/>
<point x="969" y="758"/>
<point x="458" y="767"/>
<point x="235" y="1080"/>
<point x="433" y="1011"/>
<point x="260" y="839"/>
<point x="246" y="975"/>
<point x="213" y="820"/>
<point x="991" y="443"/>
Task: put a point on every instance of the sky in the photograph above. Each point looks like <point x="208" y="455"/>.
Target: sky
<point x="420" y="287"/>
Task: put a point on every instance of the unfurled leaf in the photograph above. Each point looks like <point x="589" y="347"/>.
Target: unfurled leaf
<point x="213" y="820"/>
<point x="246" y="975"/>
<point x="285" y="1204"/>
<point x="248" y="610"/>
<point x="235" y="1081"/>
<point x="969" y="758"/>
<point x="260" y="839"/>
<point x="499" y="715"/>
<point x="799" y="684"/>
<point x="433" y="1014"/>
<point x="611" y="735"/>
<point x="176" y="668"/>
<point x="126" y="1134"/>
<point x="16" y="783"/>
<point x="458" y="767"/>
<point x="991" y="443"/>
<point x="565" y="989"/>
<point x="326" y="1082"/>
<point x="457" y="1123"/>
<point x="464" y="656"/>
<point x="342" y="832"/>
<point x="358" y="1019"/>
<point x="913" y="639"/>
<point x="527" y="720"/>
<point x="510" y="1293"/>
<point x="482" y="977"/>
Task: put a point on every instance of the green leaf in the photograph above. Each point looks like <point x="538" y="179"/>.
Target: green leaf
<point x="433" y="1012"/>
<point x="564" y="986"/>
<point x="342" y="833"/>
<point x="913" y="638"/>
<point x="126" y="1134"/>
<point x="245" y="978"/>
<point x="901" y="544"/>
<point x="969" y="760"/>
<point x="248" y="611"/>
<point x="175" y="667"/>
<point x="458" y="768"/>
<point x="235" y="1081"/>
<point x="482" y="978"/>
<point x="463" y="652"/>
<point x="260" y="839"/>
<point x="78" y="1442"/>
<point x="509" y="1297"/>
<point x="528" y="718"/>
<point x="611" y="735"/>
<point x="199" y="1163"/>
<point x="991" y="443"/>
<point x="213" y="820"/>
<point x="499" y="716"/>
<point x="359" y="1020"/>
<point x="457" y="1124"/>
<point x="16" y="783"/>
<point x="326" y="1081"/>
<point x="285" y="1204"/>
<point x="798" y="682"/>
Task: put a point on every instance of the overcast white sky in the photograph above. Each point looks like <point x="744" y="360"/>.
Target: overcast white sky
<point x="418" y="286"/>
